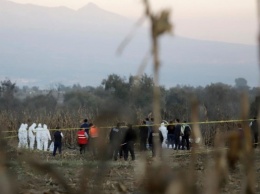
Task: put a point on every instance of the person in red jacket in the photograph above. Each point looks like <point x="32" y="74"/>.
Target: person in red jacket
<point x="82" y="140"/>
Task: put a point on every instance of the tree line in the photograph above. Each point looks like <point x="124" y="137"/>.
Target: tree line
<point x="121" y="99"/>
<point x="217" y="101"/>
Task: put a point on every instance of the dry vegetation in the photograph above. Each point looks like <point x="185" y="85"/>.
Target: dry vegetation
<point x="231" y="166"/>
<point x="71" y="173"/>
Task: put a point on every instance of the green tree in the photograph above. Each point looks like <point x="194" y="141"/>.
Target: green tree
<point x="141" y="92"/>
<point x="40" y="103"/>
<point x="117" y="86"/>
<point x="178" y="102"/>
<point x="7" y="91"/>
<point x="221" y="101"/>
<point x="241" y="84"/>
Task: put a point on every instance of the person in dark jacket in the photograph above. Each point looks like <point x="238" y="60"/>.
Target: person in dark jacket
<point x="186" y="136"/>
<point x="177" y="134"/>
<point x="151" y="141"/>
<point x="85" y="125"/>
<point x="115" y="141"/>
<point x="254" y="132"/>
<point x="143" y="131"/>
<point x="129" y="140"/>
<point x="170" y="134"/>
<point x="149" y="125"/>
<point x="122" y="139"/>
<point x="57" y="141"/>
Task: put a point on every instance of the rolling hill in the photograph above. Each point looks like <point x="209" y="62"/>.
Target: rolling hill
<point x="42" y="45"/>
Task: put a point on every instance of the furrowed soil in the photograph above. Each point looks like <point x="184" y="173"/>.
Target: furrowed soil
<point x="39" y="172"/>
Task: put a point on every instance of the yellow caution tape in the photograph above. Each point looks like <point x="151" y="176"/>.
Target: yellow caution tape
<point x="190" y="123"/>
<point x="9" y="137"/>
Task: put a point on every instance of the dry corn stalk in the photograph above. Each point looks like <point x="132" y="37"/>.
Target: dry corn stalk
<point x="159" y="25"/>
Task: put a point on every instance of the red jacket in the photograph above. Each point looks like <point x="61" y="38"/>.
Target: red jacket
<point x="82" y="139"/>
<point x="93" y="131"/>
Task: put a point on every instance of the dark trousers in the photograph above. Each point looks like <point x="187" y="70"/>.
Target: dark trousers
<point x="82" y="148"/>
<point x="93" y="144"/>
<point x="129" y="147"/>
<point x="154" y="153"/>
<point x="121" y="151"/>
<point x="115" y="147"/>
<point x="185" y="141"/>
<point x="177" y="142"/>
<point x="170" y="140"/>
<point x="143" y="143"/>
<point x="57" y="145"/>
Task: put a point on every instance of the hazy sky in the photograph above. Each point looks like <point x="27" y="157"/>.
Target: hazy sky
<point x="222" y="20"/>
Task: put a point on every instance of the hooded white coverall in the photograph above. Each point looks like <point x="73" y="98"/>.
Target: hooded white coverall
<point x="31" y="134"/>
<point x="45" y="137"/>
<point x="23" y="136"/>
<point x="39" y="131"/>
<point x="164" y="131"/>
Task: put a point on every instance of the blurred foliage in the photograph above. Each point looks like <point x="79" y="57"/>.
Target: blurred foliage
<point x="132" y="96"/>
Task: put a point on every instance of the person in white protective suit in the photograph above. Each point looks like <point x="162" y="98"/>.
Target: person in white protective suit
<point x="51" y="147"/>
<point x="45" y="137"/>
<point x="38" y="131"/>
<point x="23" y="136"/>
<point x="31" y="134"/>
<point x="164" y="131"/>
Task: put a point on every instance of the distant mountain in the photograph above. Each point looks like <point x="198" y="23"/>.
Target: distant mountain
<point x="42" y="46"/>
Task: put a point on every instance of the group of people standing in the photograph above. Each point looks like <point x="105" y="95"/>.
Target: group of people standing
<point x="172" y="135"/>
<point x="122" y="142"/>
<point x="41" y="134"/>
<point x="27" y="137"/>
<point x="122" y="139"/>
<point x="178" y="136"/>
<point x="88" y="137"/>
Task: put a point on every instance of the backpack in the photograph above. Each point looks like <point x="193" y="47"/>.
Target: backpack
<point x="187" y="130"/>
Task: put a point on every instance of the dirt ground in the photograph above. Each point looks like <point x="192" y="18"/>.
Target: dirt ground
<point x="38" y="172"/>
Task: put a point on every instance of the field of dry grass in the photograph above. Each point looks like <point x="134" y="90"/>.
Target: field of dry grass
<point x="72" y="172"/>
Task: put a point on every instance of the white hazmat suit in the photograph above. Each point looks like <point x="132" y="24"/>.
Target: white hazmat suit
<point x="39" y="130"/>
<point x="31" y="134"/>
<point x="45" y="137"/>
<point x="51" y="147"/>
<point x="23" y="136"/>
<point x="164" y="131"/>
